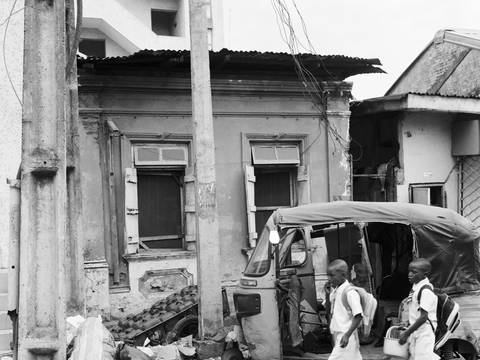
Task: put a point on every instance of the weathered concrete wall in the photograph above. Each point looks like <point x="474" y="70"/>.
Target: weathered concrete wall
<point x="425" y="153"/>
<point x="152" y="278"/>
<point x="11" y="114"/>
<point x="241" y="109"/>
<point x="245" y="117"/>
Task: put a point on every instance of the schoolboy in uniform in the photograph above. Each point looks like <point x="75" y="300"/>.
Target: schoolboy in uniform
<point x="422" y="316"/>
<point x="343" y="324"/>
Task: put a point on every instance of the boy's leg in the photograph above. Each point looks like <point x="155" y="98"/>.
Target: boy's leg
<point x="350" y="352"/>
<point x="422" y="343"/>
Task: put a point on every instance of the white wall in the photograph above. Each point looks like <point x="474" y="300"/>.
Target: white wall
<point x="128" y="23"/>
<point x="112" y="48"/>
<point x="10" y="114"/>
<point x="425" y="154"/>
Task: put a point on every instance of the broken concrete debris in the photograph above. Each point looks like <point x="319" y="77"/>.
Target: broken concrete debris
<point x="165" y="331"/>
<point x="93" y="342"/>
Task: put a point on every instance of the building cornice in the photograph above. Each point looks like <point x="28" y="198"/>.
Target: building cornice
<point x="140" y="84"/>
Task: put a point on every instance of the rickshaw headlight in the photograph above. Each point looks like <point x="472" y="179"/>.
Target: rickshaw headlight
<point x="248" y="282"/>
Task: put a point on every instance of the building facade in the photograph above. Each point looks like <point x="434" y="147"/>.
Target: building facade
<point x="119" y="27"/>
<point x="272" y="150"/>
<point x="419" y="143"/>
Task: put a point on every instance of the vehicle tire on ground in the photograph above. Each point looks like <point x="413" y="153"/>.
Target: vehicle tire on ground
<point x="184" y="327"/>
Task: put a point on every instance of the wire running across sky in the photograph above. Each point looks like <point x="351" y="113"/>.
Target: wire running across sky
<point x="313" y="88"/>
<point x="7" y="72"/>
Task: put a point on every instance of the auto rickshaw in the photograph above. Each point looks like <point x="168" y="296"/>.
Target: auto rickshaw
<point x="278" y="296"/>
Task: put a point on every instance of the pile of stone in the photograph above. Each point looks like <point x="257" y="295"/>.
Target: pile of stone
<point x="163" y="310"/>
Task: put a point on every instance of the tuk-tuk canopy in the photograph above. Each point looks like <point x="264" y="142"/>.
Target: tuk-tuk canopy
<point x="447" y="239"/>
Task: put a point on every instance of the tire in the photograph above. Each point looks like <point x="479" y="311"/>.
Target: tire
<point x="184" y="327"/>
<point x="232" y="354"/>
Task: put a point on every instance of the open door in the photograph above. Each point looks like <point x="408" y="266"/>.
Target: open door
<point x="296" y="264"/>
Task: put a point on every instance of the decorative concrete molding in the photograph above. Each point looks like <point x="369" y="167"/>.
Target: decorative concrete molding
<point x="90" y="123"/>
<point x="164" y="281"/>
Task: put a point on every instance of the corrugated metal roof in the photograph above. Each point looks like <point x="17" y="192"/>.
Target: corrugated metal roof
<point x="337" y="66"/>
<point x="445" y="66"/>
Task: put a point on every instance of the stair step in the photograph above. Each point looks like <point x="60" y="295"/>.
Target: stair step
<point x="5" y="322"/>
<point x="6" y="337"/>
<point x="3" y="281"/>
<point x="3" y="301"/>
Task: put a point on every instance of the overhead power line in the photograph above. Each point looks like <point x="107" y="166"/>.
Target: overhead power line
<point x="7" y="22"/>
<point x="313" y="88"/>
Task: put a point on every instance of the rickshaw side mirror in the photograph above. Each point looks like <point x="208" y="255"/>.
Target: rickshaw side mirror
<point x="273" y="237"/>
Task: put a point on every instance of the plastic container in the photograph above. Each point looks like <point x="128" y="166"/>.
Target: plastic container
<point x="391" y="346"/>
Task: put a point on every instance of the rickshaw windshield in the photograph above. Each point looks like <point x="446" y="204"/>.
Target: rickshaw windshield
<point x="288" y="237"/>
<point x="259" y="263"/>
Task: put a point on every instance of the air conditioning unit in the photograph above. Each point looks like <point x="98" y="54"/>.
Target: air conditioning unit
<point x="466" y="138"/>
<point x="161" y="155"/>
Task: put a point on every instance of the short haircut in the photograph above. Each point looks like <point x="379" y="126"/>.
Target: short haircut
<point x="339" y="265"/>
<point x="422" y="264"/>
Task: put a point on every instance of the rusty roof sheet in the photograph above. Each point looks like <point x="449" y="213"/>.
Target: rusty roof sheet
<point x="338" y="67"/>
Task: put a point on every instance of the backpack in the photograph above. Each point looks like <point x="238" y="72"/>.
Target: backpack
<point x="447" y="317"/>
<point x="369" y="306"/>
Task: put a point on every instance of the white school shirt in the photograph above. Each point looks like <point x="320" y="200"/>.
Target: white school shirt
<point x="428" y="302"/>
<point x="341" y="317"/>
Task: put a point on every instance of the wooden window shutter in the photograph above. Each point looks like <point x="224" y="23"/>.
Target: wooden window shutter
<point x="250" y="202"/>
<point x="303" y="186"/>
<point x="190" y="218"/>
<point x="131" y="211"/>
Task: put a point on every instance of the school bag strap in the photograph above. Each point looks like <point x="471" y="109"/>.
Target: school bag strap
<point x="430" y="287"/>
<point x="345" y="303"/>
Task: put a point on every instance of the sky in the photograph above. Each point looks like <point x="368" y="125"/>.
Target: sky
<point x="391" y="30"/>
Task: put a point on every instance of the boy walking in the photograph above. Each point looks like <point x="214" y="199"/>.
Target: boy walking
<point x="422" y="313"/>
<point x="343" y="323"/>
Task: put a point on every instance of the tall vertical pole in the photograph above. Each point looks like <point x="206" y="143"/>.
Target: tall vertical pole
<point x="75" y="282"/>
<point x="41" y="333"/>
<point x="208" y="243"/>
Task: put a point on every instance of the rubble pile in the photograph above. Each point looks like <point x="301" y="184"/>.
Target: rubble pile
<point x="162" y="310"/>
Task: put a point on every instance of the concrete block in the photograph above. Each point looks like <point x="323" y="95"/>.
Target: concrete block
<point x="97" y="294"/>
<point x="3" y="301"/>
<point x="3" y="281"/>
<point x="5" y="322"/>
<point x="6" y="337"/>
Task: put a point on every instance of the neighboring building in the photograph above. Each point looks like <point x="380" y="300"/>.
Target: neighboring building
<point x="272" y="151"/>
<point x="123" y="27"/>
<point x="421" y="141"/>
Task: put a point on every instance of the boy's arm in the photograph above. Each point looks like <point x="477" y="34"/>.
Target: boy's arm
<point x="420" y="321"/>
<point x="357" y="319"/>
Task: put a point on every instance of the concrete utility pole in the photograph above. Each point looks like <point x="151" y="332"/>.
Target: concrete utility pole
<point x="208" y="242"/>
<point x="75" y="283"/>
<point x="43" y="184"/>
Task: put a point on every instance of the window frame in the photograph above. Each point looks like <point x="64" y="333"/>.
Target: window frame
<point x="97" y="40"/>
<point x="165" y="12"/>
<point x="163" y="172"/>
<point x="413" y="186"/>
<point x="275" y="146"/>
<point x="181" y="141"/>
<point x="292" y="174"/>
<point x="301" y="191"/>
